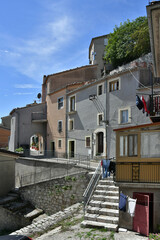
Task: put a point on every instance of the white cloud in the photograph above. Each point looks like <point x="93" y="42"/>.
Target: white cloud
<point x="24" y="86"/>
<point x="21" y="93"/>
<point x="37" y="55"/>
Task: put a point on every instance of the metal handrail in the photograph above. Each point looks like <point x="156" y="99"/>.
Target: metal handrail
<point x="91" y="186"/>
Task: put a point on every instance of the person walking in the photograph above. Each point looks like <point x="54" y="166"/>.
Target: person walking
<point x="105" y="163"/>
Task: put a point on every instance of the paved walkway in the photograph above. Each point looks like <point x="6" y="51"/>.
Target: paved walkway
<point x="71" y="229"/>
<point x="67" y="225"/>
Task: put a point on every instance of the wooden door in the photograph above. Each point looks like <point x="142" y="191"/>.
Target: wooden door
<point x="141" y="218"/>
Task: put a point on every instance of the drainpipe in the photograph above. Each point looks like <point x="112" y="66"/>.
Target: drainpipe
<point x="18" y="129"/>
<point x="106" y="123"/>
<point x="66" y="138"/>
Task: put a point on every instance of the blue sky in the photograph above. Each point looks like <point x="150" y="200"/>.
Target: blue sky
<point x="41" y="37"/>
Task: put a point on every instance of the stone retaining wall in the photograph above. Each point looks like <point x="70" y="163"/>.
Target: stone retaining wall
<point x="48" y="222"/>
<point x="57" y="194"/>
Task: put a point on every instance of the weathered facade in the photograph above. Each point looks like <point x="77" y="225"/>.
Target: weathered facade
<point x="7" y="171"/>
<point x="86" y="134"/>
<point x="103" y="105"/>
<point x="153" y="14"/>
<point x="56" y="120"/>
<point x="138" y="175"/>
<point x="4" y="136"/>
<point x="26" y="123"/>
<point x="60" y="80"/>
<point x="96" y="54"/>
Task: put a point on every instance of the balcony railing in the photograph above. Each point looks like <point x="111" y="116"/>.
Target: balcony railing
<point x="138" y="172"/>
<point x="39" y="117"/>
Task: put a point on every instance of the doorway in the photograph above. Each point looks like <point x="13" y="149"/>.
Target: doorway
<point x="52" y="149"/>
<point x="100" y="142"/>
<point x="71" y="149"/>
<point x="143" y="219"/>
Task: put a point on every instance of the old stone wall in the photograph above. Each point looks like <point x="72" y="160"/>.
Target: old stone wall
<point x="55" y="195"/>
<point x="11" y="222"/>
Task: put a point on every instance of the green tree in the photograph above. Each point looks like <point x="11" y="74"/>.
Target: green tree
<point x="128" y="41"/>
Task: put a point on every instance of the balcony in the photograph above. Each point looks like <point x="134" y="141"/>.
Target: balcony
<point x="138" y="172"/>
<point x="39" y="117"/>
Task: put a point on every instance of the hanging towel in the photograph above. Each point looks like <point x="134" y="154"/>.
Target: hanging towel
<point x="131" y="206"/>
<point x="145" y="105"/>
<point x="122" y="202"/>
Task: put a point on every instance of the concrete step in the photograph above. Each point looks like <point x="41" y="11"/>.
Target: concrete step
<point x="34" y="213"/>
<point x="103" y="211"/>
<point x="101" y="204"/>
<point x="110" y="205"/>
<point x="16" y="206"/>
<point x="114" y="199"/>
<point x="101" y="218"/>
<point x="7" y="199"/>
<point x="110" y="227"/>
<point x="107" y="188"/>
<point x="109" y="212"/>
<point x="106" y="193"/>
<point x="106" y="182"/>
<point x="40" y="217"/>
<point x="13" y="194"/>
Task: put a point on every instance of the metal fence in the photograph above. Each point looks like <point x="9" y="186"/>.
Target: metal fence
<point x="91" y="186"/>
<point x="59" y="157"/>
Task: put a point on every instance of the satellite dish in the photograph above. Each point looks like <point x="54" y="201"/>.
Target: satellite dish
<point x="39" y="95"/>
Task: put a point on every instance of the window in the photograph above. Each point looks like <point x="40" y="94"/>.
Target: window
<point x="114" y="85"/>
<point x="71" y="124"/>
<point x="105" y="41"/>
<point x="99" y="89"/>
<point x="60" y="102"/>
<point x="123" y="146"/>
<point x="150" y="144"/>
<point x="100" y="118"/>
<point x="59" y="143"/>
<point x="72" y="104"/>
<point x="124" y="115"/>
<point x="132" y="143"/>
<point x="60" y="126"/>
<point x="129" y="145"/>
<point x="88" y="142"/>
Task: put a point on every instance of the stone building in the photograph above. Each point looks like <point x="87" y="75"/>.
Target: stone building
<point x="97" y="53"/>
<point x="28" y="128"/>
<point x="100" y="106"/>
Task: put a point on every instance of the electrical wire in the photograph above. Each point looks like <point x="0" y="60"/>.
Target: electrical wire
<point x="139" y="81"/>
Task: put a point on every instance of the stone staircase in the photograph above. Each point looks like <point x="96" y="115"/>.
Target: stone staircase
<point x="103" y="208"/>
<point x="16" y="206"/>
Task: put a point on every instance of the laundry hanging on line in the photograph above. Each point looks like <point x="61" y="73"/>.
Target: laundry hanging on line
<point x="131" y="206"/>
<point x="143" y="104"/>
<point x="122" y="202"/>
<point x="128" y="203"/>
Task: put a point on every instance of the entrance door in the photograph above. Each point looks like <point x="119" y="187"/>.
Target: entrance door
<point x="52" y="149"/>
<point x="100" y="142"/>
<point x="71" y="149"/>
<point x="141" y="218"/>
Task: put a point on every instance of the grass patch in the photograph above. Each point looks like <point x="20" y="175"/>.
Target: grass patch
<point x="96" y="234"/>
